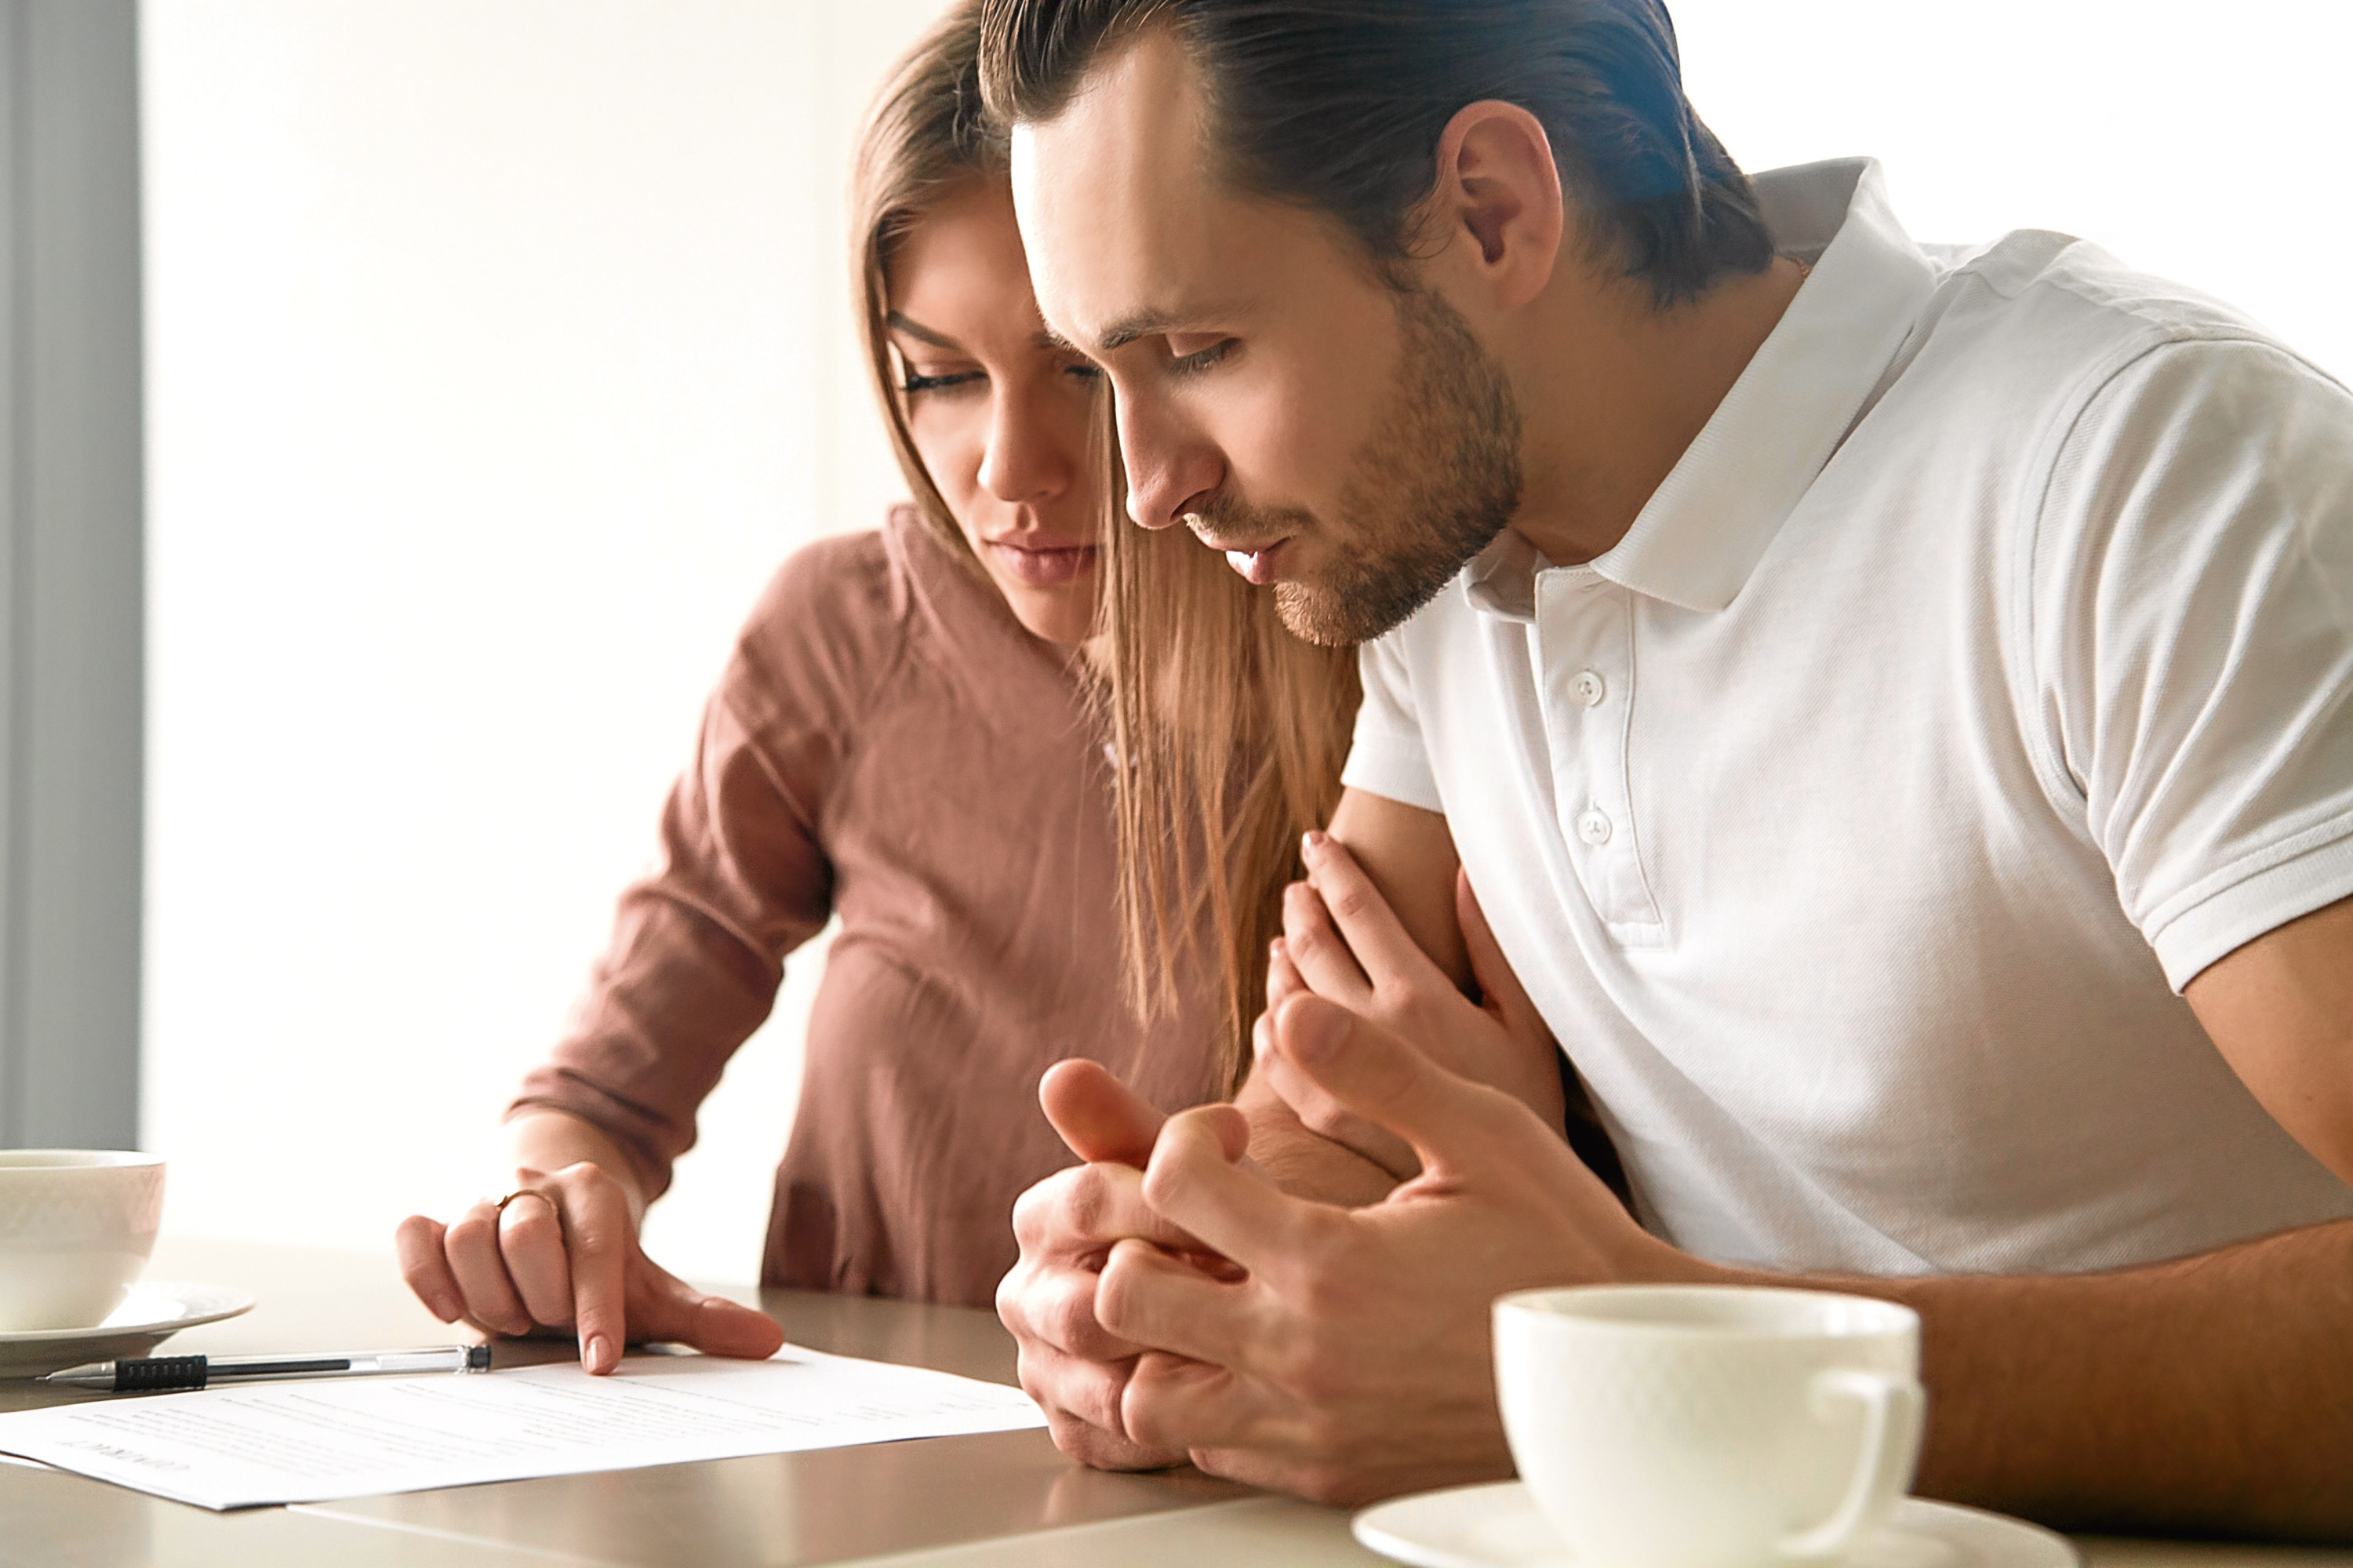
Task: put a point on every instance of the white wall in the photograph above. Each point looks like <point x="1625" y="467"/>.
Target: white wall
<point x="497" y="349"/>
<point x="2200" y="142"/>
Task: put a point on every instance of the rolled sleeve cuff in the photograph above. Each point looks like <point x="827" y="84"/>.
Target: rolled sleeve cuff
<point x="2262" y="893"/>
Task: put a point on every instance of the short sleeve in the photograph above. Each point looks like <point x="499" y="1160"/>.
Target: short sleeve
<point x="2191" y="599"/>
<point x="1388" y="757"/>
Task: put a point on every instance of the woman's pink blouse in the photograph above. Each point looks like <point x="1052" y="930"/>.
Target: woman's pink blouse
<point x="888" y="746"/>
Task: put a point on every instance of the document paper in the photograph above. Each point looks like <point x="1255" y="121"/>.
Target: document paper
<point x="241" y="1446"/>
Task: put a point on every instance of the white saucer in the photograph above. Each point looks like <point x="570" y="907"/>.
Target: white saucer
<point x="1497" y="1526"/>
<point x="156" y="1310"/>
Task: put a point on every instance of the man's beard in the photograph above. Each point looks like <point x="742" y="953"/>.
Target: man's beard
<point x="1436" y="480"/>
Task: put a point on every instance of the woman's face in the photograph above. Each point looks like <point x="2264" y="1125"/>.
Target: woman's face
<point x="999" y="415"/>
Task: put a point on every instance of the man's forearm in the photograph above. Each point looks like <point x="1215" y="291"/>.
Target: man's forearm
<point x="1303" y="1163"/>
<point x="2210" y="1394"/>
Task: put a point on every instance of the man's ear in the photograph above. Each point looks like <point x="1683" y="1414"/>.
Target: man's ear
<point x="1496" y="197"/>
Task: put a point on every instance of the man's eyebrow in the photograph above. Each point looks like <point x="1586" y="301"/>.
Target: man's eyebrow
<point x="1128" y="328"/>
<point x="1153" y="321"/>
<point x="898" y="322"/>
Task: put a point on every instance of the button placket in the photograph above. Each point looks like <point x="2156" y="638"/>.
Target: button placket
<point x="1585" y="681"/>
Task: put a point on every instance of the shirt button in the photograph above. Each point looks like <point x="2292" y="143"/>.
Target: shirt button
<point x="1589" y="688"/>
<point x="1593" y="828"/>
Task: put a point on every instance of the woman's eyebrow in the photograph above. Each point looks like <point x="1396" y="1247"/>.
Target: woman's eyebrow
<point x="898" y="322"/>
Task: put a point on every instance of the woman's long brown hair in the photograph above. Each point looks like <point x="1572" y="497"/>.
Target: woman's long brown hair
<point x="923" y="138"/>
<point x="1229" y="732"/>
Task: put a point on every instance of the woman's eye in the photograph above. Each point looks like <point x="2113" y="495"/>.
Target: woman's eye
<point x="1199" y="359"/>
<point x="917" y="382"/>
<point x="1084" y="370"/>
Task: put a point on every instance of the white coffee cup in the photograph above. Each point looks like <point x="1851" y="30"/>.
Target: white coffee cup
<point x="1709" y="1426"/>
<point x="76" y="1227"/>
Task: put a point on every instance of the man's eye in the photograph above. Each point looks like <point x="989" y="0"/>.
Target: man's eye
<point x="1199" y="359"/>
<point x="919" y="382"/>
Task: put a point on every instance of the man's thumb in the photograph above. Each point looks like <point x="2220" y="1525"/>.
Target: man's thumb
<point x="1385" y="1080"/>
<point x="1099" y="1116"/>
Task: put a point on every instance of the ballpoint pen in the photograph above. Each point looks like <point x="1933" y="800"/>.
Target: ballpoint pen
<point x="154" y="1374"/>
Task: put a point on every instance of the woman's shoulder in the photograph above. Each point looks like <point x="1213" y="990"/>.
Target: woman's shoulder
<point x="842" y="614"/>
<point x="825" y="631"/>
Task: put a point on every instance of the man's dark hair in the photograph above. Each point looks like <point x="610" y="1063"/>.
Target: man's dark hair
<point x="1338" y="105"/>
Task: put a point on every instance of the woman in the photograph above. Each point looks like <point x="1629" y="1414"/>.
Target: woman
<point x="905" y="739"/>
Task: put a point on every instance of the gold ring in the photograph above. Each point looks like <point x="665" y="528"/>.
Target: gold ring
<point x="503" y="1199"/>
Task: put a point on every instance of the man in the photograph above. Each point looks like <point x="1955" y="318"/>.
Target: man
<point x="1897" y="708"/>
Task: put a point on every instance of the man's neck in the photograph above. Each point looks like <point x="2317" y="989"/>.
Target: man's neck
<point x="1616" y="394"/>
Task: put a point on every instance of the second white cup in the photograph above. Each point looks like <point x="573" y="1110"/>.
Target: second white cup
<point x="76" y="1226"/>
<point x="1709" y="1426"/>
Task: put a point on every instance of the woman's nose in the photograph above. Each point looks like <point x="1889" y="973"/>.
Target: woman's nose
<point x="1033" y="452"/>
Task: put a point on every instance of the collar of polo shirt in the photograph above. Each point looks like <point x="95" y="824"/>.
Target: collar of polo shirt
<point x="1704" y="529"/>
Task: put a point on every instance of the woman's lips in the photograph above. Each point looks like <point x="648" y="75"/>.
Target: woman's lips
<point x="1053" y="566"/>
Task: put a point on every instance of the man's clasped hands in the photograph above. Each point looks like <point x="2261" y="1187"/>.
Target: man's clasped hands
<point x="1174" y="1299"/>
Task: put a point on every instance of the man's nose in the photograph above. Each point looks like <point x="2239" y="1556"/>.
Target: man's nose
<point x="1168" y="468"/>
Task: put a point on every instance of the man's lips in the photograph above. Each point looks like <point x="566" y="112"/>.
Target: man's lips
<point x="1037" y="564"/>
<point x="1260" y="564"/>
<point x="1263" y="565"/>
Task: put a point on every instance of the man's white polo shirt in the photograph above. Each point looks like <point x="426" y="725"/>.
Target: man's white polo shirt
<point x="1982" y="673"/>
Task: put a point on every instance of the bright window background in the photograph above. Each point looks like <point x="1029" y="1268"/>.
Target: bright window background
<point x="498" y="351"/>
<point x="2198" y="142"/>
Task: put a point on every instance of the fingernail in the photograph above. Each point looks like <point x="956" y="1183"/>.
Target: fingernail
<point x="1311" y="841"/>
<point x="1275" y="948"/>
<point x="1319" y="1036"/>
<point x="593" y="1353"/>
